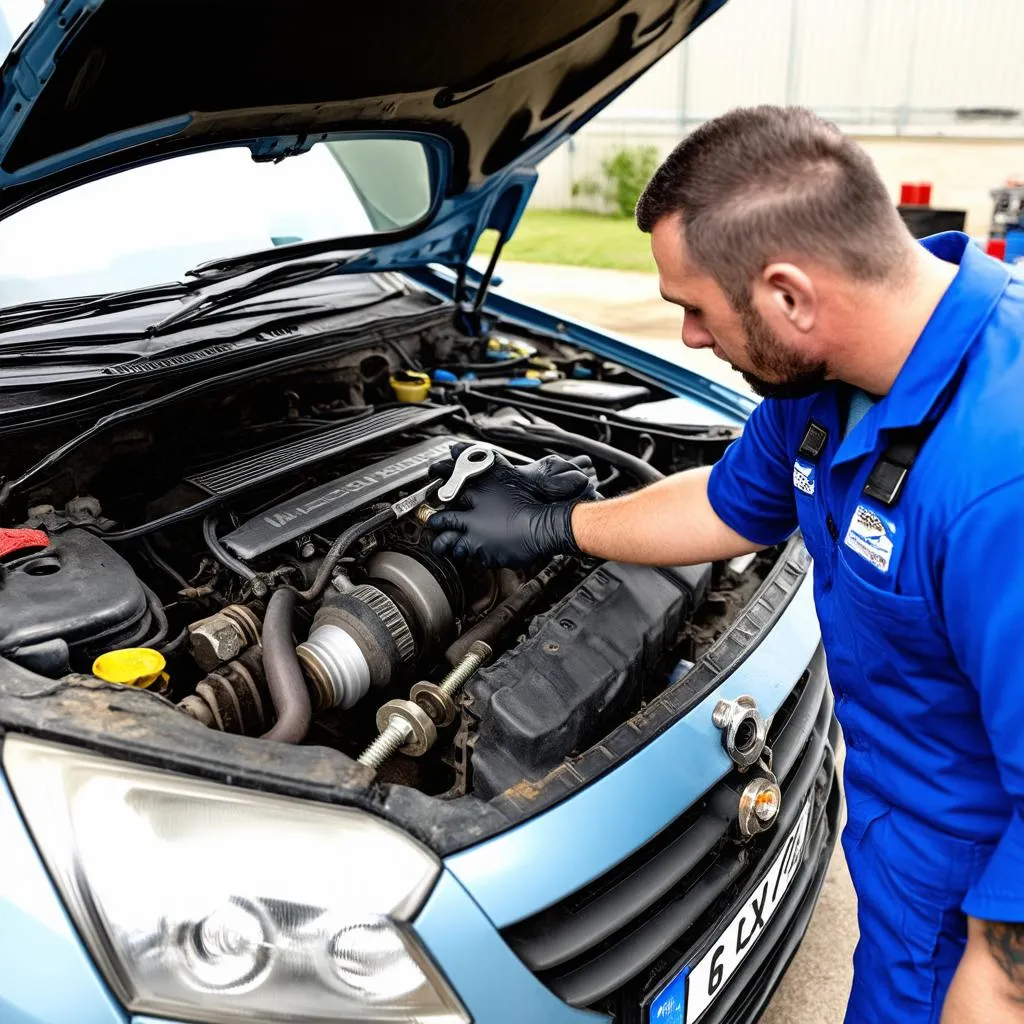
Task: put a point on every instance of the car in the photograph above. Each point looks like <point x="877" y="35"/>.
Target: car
<point x="265" y="755"/>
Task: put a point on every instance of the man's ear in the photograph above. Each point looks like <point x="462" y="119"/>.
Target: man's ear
<point x="786" y="298"/>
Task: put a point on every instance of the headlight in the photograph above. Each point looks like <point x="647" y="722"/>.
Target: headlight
<point x="221" y="904"/>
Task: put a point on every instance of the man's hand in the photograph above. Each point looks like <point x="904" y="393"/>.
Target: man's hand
<point x="514" y="516"/>
<point x="988" y="987"/>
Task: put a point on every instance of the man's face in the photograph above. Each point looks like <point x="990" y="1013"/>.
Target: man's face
<point x="772" y="364"/>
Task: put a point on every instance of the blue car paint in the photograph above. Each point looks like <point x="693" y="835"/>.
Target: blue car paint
<point x="638" y="798"/>
<point x="492" y="982"/>
<point x="46" y="976"/>
<point x="733" y="407"/>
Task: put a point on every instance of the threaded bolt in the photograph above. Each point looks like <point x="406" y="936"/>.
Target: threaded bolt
<point x="438" y="700"/>
<point x="389" y="742"/>
<point x="452" y="683"/>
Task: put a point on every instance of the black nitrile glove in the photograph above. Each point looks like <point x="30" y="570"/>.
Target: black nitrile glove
<point x="513" y="516"/>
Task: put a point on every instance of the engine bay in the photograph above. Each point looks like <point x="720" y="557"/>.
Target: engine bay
<point x="265" y="545"/>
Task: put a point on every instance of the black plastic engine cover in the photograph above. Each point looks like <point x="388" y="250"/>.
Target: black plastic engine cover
<point x="557" y="692"/>
<point x="62" y="605"/>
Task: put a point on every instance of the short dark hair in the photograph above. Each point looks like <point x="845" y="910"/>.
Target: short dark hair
<point x="764" y="183"/>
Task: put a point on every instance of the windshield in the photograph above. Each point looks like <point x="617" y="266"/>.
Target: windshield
<point x="151" y="224"/>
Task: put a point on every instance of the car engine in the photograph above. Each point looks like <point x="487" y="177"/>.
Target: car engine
<point x="266" y="550"/>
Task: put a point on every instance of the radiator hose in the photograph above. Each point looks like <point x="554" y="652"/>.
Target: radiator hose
<point x="285" y="681"/>
<point x="555" y="437"/>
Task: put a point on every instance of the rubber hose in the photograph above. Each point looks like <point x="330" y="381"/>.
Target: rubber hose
<point x="285" y="681"/>
<point x="156" y="525"/>
<point x="558" y="438"/>
<point x="344" y="541"/>
<point x="156" y="610"/>
<point x="220" y="552"/>
<point x="152" y="554"/>
<point x="175" y="645"/>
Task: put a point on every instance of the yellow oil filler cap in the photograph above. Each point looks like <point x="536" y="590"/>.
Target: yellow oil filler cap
<point x="410" y="386"/>
<point x="134" y="666"/>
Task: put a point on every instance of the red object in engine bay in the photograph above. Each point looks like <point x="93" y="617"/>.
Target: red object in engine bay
<point x="17" y="540"/>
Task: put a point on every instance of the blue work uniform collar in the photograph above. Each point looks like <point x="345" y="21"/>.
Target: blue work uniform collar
<point x="940" y="349"/>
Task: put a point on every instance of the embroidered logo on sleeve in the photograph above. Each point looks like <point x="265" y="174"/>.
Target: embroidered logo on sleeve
<point x="872" y="537"/>
<point x="803" y="477"/>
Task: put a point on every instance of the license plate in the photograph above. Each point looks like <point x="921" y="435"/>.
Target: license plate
<point x="695" y="987"/>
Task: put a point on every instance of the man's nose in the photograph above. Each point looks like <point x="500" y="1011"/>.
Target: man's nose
<point x="695" y="336"/>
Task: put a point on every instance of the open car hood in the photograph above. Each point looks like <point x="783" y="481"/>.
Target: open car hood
<point x="96" y="86"/>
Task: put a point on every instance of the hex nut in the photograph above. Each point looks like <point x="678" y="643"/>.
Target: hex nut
<point x="223" y="636"/>
<point x="424" y="733"/>
<point x="437" y="704"/>
<point x="214" y="642"/>
<point x="744" y="730"/>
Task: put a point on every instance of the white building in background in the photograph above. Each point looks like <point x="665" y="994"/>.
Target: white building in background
<point x="934" y="90"/>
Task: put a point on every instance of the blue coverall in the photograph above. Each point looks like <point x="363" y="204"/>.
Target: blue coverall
<point x="921" y="604"/>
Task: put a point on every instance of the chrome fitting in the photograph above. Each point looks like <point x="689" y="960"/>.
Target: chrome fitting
<point x="760" y="803"/>
<point x="744" y="730"/>
<point x="335" y="665"/>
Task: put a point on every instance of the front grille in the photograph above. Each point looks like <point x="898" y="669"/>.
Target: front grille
<point x="606" y="945"/>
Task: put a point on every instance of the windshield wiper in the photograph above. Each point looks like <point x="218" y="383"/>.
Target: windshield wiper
<point x="211" y="290"/>
<point x="31" y="314"/>
<point x="247" y="285"/>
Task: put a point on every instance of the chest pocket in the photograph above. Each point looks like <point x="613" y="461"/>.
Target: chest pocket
<point x="905" y="672"/>
<point x="889" y="627"/>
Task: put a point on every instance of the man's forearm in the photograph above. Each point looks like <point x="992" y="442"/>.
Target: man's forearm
<point x="668" y="523"/>
<point x="988" y="987"/>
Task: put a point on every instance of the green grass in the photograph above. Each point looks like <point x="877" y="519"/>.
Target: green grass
<point x="576" y="238"/>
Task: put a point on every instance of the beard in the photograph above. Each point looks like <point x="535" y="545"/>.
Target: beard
<point x="775" y="372"/>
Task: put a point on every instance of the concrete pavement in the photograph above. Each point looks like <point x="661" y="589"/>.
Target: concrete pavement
<point x="620" y="301"/>
<point x="815" y="988"/>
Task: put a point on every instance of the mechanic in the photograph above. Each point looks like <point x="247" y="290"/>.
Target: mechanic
<point x="892" y="435"/>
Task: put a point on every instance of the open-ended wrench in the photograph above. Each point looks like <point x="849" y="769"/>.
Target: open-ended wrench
<point x="476" y="459"/>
